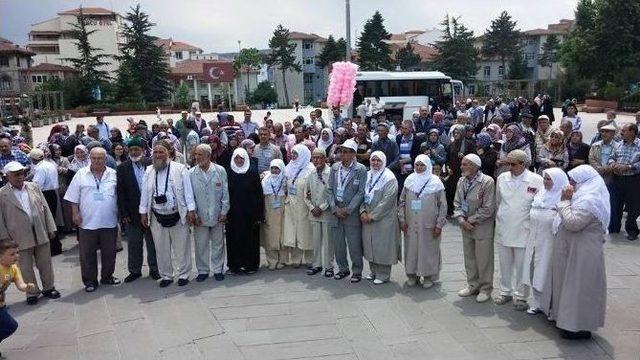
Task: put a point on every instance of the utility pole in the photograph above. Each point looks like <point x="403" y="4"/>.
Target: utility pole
<point x="348" y="18"/>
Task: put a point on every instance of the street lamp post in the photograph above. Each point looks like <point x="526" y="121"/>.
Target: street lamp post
<point x="348" y="18"/>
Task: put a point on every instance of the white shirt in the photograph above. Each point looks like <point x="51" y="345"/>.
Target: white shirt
<point x="96" y="198"/>
<point x="45" y="174"/>
<point x="170" y="206"/>
<point x="23" y="197"/>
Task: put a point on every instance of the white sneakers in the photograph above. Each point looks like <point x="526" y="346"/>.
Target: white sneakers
<point x="426" y="284"/>
<point x="483" y="297"/>
<point x="469" y="291"/>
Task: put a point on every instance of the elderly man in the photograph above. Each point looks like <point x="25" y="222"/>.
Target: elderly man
<point x="385" y="144"/>
<point x="515" y="191"/>
<point x="93" y="134"/>
<point x="336" y="118"/>
<point x="408" y="147"/>
<point x="209" y="181"/>
<point x="248" y="126"/>
<point x="129" y="184"/>
<point x="625" y="162"/>
<point x="216" y="130"/>
<point x="265" y="151"/>
<point x="92" y="194"/>
<point x="474" y="208"/>
<point x="199" y="122"/>
<point x="8" y="154"/>
<point x="103" y="127"/>
<point x="423" y="123"/>
<point x="166" y="205"/>
<point x="600" y="153"/>
<point x="21" y="210"/>
<point x="45" y="175"/>
<point x="544" y="131"/>
<point x="346" y="194"/>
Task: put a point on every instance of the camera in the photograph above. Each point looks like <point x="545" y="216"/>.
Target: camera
<point x="160" y="199"/>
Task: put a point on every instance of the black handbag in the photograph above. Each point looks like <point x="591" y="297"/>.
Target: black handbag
<point x="167" y="220"/>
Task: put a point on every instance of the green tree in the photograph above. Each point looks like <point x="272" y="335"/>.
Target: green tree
<point x="406" y="58"/>
<point x="332" y="51"/>
<point x="549" y="53"/>
<point x="263" y="94"/>
<point x="517" y="67"/>
<point x="456" y="53"/>
<point x="182" y="95"/>
<point x="283" y="55"/>
<point x="147" y="61"/>
<point x="248" y="59"/>
<point x="501" y="39"/>
<point x="373" y="52"/>
<point x="126" y="87"/>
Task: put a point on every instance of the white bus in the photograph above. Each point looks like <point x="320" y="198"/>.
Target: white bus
<point x="405" y="92"/>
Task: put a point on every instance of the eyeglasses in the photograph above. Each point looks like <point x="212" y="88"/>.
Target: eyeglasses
<point x="513" y="164"/>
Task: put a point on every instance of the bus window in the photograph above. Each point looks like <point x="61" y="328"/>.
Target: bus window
<point x="447" y="93"/>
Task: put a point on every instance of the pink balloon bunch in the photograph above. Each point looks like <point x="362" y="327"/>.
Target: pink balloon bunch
<point x="342" y="83"/>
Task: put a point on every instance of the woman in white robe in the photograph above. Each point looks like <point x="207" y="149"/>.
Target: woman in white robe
<point x="379" y="216"/>
<point x="579" y="282"/>
<point x="272" y="229"/>
<point x="539" y="248"/>
<point x="298" y="244"/>
<point x="422" y="210"/>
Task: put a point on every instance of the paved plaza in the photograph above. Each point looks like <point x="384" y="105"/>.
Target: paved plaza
<point x="288" y="315"/>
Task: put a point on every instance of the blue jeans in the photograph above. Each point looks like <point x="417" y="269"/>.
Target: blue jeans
<point x="8" y="324"/>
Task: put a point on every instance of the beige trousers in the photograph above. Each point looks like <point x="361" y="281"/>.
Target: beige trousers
<point x="40" y="256"/>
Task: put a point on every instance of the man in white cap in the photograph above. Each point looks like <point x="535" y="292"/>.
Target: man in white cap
<point x="346" y="193"/>
<point x="515" y="191"/>
<point x="474" y="208"/>
<point x="601" y="151"/>
<point x="45" y="175"/>
<point x="30" y="226"/>
<point x="200" y="122"/>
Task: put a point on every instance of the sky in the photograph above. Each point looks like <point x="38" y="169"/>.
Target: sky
<point x="217" y="26"/>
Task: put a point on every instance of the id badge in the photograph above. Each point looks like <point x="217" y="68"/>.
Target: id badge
<point x="292" y="190"/>
<point x="98" y="196"/>
<point x="276" y="203"/>
<point x="416" y="205"/>
<point x="464" y="207"/>
<point x="339" y="194"/>
<point x="368" y="198"/>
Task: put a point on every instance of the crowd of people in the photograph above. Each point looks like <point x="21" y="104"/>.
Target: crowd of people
<point x="315" y="192"/>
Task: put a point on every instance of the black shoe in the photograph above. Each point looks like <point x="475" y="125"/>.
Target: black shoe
<point x="314" y="270"/>
<point x="51" y="294"/>
<point x="218" y="276"/>
<point x="154" y="275"/>
<point x="632" y="237"/>
<point x="577" y="335"/>
<point x="32" y="300"/>
<point x="328" y="273"/>
<point x="56" y="252"/>
<point x="235" y="272"/>
<point x="90" y="287"/>
<point x="110" y="281"/>
<point x="165" y="282"/>
<point x="356" y="278"/>
<point x="201" y="277"/>
<point x="183" y="282"/>
<point x="342" y="274"/>
<point x="132" y="277"/>
<point x="250" y="271"/>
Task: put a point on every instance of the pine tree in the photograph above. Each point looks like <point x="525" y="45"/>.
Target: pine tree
<point x="90" y="61"/>
<point x="517" y="67"/>
<point x="182" y="95"/>
<point x="147" y="60"/>
<point x="549" y="53"/>
<point x="456" y="53"/>
<point x="127" y="88"/>
<point x="502" y="39"/>
<point x="373" y="52"/>
<point x="406" y="58"/>
<point x="332" y="51"/>
<point x="283" y="55"/>
<point x="249" y="59"/>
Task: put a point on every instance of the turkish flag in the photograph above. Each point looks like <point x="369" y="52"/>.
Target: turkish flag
<point x="218" y="72"/>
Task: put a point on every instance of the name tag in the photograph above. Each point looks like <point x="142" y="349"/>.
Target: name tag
<point x="339" y="194"/>
<point x="276" y="203"/>
<point x="356" y="182"/>
<point x="98" y="196"/>
<point x="368" y="198"/>
<point x="292" y="190"/>
<point x="464" y="206"/>
<point x="416" y="205"/>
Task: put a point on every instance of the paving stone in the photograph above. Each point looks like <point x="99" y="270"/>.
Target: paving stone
<point x="219" y="347"/>
<point x="295" y="350"/>
<point x="276" y="336"/>
<point x="182" y="352"/>
<point x="99" y="346"/>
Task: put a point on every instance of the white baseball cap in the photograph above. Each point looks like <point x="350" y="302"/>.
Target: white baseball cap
<point x="350" y="144"/>
<point x="13" y="166"/>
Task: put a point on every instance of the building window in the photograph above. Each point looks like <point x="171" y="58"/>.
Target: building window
<point x="487" y="71"/>
<point x="34" y="79"/>
<point x="529" y="56"/>
<point x="501" y="70"/>
<point x="531" y="41"/>
<point x="307" y="45"/>
<point x="178" y="55"/>
<point x="4" y="61"/>
<point x="18" y="61"/>
<point x="487" y="89"/>
<point x="472" y="89"/>
<point x="308" y="61"/>
<point x="5" y="83"/>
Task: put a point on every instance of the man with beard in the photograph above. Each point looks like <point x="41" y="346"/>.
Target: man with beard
<point x="130" y="175"/>
<point x="166" y="205"/>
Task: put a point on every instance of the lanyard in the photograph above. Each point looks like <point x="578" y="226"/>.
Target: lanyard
<point x="98" y="182"/>
<point x="293" y="182"/>
<point x="321" y="179"/>
<point x="424" y="186"/>
<point x="166" y="181"/>
<point x="275" y="192"/>
<point x="466" y="189"/>
<point x="374" y="184"/>
<point x="343" y="178"/>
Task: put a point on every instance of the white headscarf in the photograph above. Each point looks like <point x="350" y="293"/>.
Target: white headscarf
<point x="296" y="167"/>
<point x="271" y="182"/>
<point x="245" y="167"/>
<point x="325" y="144"/>
<point x="416" y="181"/>
<point x="548" y="199"/>
<point x="377" y="179"/>
<point x="77" y="164"/>
<point x="591" y="194"/>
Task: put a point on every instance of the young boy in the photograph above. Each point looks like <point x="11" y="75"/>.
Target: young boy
<point x="9" y="273"/>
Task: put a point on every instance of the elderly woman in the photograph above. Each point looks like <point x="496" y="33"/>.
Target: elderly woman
<point x="458" y="148"/>
<point x="298" y="244"/>
<point x="539" y="247"/>
<point x="433" y="148"/>
<point x="378" y="213"/>
<point x="245" y="214"/>
<point x="78" y="160"/>
<point x="578" y="150"/>
<point x="423" y="213"/>
<point x="553" y="153"/>
<point x="514" y="140"/>
<point x="488" y="155"/>
<point x="325" y="140"/>
<point x="579" y="284"/>
<point x="272" y="229"/>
